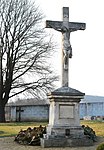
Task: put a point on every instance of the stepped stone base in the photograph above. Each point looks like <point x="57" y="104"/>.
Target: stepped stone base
<point x="64" y="128"/>
<point x="65" y="142"/>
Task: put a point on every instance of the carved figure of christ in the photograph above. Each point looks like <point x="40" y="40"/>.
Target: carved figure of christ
<point x="65" y="27"/>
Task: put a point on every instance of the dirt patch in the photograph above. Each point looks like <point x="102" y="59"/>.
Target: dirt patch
<point x="8" y="143"/>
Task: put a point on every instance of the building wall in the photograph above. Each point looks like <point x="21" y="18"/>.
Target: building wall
<point x="30" y="113"/>
<point x="41" y="112"/>
<point x="13" y="114"/>
<point x="7" y="113"/>
<point x="37" y="113"/>
<point x="91" y="109"/>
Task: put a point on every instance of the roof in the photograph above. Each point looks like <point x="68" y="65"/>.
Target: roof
<point x="92" y="99"/>
<point x="68" y="91"/>
<point x="40" y="102"/>
<point x="29" y="102"/>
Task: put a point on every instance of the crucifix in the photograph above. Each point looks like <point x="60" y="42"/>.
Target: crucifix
<point x="65" y="27"/>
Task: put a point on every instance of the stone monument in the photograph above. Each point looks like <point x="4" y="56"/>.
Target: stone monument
<point x="64" y="129"/>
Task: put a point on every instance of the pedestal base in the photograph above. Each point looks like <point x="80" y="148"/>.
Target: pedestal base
<point x="75" y="131"/>
<point x="65" y="142"/>
<point x="64" y="128"/>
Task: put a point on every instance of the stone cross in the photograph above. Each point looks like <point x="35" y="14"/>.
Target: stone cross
<point x="65" y="27"/>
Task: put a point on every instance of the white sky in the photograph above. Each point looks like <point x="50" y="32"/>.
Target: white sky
<point x="86" y="71"/>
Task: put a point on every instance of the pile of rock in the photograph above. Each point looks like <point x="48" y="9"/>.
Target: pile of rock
<point x="31" y="136"/>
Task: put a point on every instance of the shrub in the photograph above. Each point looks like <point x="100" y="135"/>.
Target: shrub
<point x="100" y="147"/>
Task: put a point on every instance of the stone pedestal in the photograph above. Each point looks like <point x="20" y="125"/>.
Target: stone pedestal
<point x="64" y="122"/>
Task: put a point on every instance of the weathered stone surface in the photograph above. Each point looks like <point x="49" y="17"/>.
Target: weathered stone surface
<point x="66" y="111"/>
<point x="66" y="91"/>
<point x="64" y="128"/>
<point x="65" y="27"/>
<point x="64" y="122"/>
<point x="66" y="142"/>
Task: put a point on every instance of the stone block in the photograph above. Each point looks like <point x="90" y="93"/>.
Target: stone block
<point x="65" y="142"/>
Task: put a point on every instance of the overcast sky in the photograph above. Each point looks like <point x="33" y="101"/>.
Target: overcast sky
<point x="86" y="71"/>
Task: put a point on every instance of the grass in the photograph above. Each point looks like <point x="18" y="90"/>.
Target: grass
<point x="11" y="129"/>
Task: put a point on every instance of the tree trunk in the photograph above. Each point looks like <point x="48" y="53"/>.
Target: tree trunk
<point x="2" y="113"/>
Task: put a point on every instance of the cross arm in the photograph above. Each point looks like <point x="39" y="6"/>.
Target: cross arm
<point x="57" y="25"/>
<point x="77" y="26"/>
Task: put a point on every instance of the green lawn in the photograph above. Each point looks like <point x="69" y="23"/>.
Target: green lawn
<point x="11" y="129"/>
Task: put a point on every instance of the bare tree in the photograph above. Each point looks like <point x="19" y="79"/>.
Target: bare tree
<point x="24" y="52"/>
